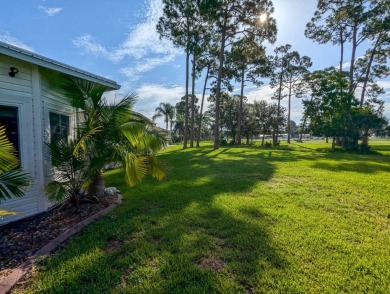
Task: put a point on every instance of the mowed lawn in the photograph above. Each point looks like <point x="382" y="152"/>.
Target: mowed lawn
<point x="235" y="220"/>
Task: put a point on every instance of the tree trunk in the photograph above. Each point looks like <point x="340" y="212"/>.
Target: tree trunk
<point x="342" y="50"/>
<point x="201" y="107"/>
<point x="278" y="114"/>
<point x="97" y="187"/>
<point x="192" y="135"/>
<point x="304" y="121"/>
<point x="326" y="139"/>
<point x="185" y="138"/>
<point x="289" y="114"/>
<point x="348" y="139"/>
<point x="274" y="137"/>
<point x="303" y="128"/>
<point x="333" y="143"/>
<point x="219" y="81"/>
<point x="262" y="141"/>
<point x="353" y="57"/>
<point x="166" y="125"/>
<point x="274" y="140"/>
<point x="364" y="147"/>
<point x="368" y="70"/>
<point x="240" y="108"/>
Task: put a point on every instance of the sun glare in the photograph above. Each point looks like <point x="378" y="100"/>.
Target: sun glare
<point x="263" y="17"/>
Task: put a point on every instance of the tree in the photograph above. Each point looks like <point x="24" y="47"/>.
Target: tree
<point x="180" y="114"/>
<point x="250" y="127"/>
<point x="12" y="178"/>
<point x="364" y="22"/>
<point x="361" y="22"/>
<point x="373" y="65"/>
<point x="331" y="28"/>
<point x="308" y="87"/>
<point x="205" y="61"/>
<point x="370" y="120"/>
<point x="269" y="117"/>
<point x="328" y="109"/>
<point x="277" y="68"/>
<point x="246" y="54"/>
<point x="179" y="25"/>
<point x="167" y="111"/>
<point x="182" y="24"/>
<point x="127" y="137"/>
<point x="231" y="20"/>
<point x="296" y="68"/>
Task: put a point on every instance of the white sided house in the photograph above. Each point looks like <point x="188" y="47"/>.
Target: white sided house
<point x="31" y="111"/>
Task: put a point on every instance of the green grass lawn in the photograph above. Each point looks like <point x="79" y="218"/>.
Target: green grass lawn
<point x="238" y="221"/>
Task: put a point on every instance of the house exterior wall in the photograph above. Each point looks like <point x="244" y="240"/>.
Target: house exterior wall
<point x="34" y="99"/>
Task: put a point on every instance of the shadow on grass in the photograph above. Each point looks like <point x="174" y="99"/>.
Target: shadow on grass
<point x="360" y="167"/>
<point x="191" y="233"/>
<point x="173" y="236"/>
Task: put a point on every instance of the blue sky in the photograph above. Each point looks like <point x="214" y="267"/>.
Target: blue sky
<point x="117" y="40"/>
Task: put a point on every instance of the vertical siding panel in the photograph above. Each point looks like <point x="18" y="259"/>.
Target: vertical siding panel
<point x="18" y="91"/>
<point x="38" y="134"/>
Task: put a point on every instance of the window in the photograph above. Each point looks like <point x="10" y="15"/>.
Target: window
<point x="59" y="127"/>
<point x="9" y="119"/>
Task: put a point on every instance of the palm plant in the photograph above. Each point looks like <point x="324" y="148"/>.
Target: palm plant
<point x="69" y="172"/>
<point x="112" y="133"/>
<point x="166" y="110"/>
<point x="12" y="178"/>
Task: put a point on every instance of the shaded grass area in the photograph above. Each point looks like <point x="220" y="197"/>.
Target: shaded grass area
<point x="238" y="221"/>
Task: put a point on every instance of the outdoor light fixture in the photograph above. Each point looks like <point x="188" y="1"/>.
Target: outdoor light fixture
<point x="13" y="71"/>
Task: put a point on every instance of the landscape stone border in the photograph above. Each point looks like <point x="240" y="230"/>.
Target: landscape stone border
<point x="16" y="274"/>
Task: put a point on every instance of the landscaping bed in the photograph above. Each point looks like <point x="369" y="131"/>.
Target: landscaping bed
<point x="21" y="239"/>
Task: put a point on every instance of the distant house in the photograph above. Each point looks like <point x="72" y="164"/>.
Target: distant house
<point x="31" y="111"/>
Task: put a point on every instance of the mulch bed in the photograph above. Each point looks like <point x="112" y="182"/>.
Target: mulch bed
<point x="21" y="239"/>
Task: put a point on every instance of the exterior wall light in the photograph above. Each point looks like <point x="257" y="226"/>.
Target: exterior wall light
<point x="13" y="71"/>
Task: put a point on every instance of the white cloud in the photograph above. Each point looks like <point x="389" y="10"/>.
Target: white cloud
<point x="7" y="38"/>
<point x="88" y="43"/>
<point x="142" y="45"/>
<point x="51" y="11"/>
<point x="133" y="72"/>
<point x="384" y="84"/>
<point x="346" y="65"/>
<point x="262" y="93"/>
<point x="151" y="95"/>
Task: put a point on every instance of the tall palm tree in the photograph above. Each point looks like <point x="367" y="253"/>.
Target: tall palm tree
<point x="171" y="117"/>
<point x="112" y="133"/>
<point x="12" y="178"/>
<point x="166" y="110"/>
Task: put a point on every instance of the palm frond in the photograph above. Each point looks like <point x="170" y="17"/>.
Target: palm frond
<point x="57" y="190"/>
<point x="12" y="183"/>
<point x="8" y="160"/>
<point x="134" y="132"/>
<point x="136" y="168"/>
<point x="123" y="110"/>
<point x="156" y="168"/>
<point x="6" y="213"/>
<point x="158" y="114"/>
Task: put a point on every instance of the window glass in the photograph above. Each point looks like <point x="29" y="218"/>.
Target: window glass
<point x="59" y="127"/>
<point x="9" y="119"/>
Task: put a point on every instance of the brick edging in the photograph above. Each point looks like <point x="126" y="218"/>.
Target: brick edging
<point x="17" y="273"/>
